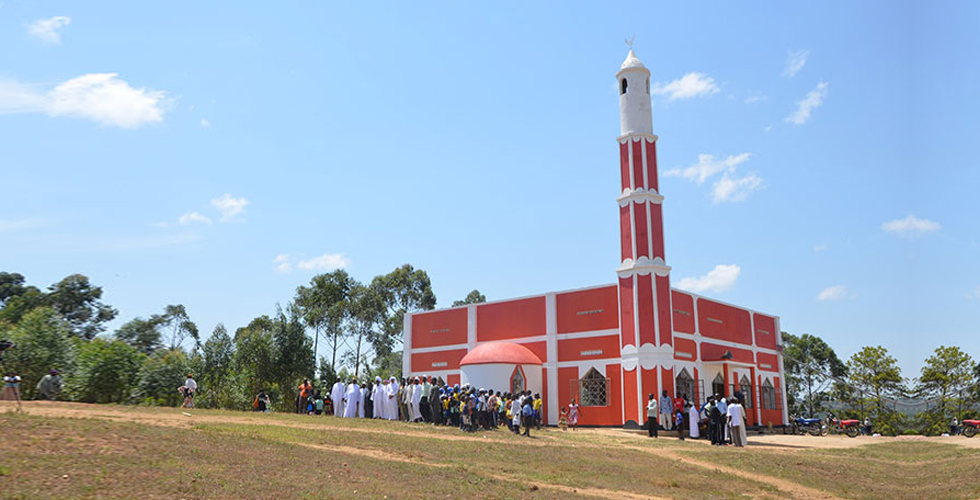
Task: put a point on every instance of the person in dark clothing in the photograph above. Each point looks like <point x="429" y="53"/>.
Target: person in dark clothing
<point x="435" y="403"/>
<point x="652" y="425"/>
<point x="715" y="422"/>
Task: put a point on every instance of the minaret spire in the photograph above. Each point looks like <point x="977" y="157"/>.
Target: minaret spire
<point x="644" y="278"/>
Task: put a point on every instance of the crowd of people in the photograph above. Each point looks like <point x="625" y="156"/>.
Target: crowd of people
<point x="426" y="399"/>
<point x="721" y="419"/>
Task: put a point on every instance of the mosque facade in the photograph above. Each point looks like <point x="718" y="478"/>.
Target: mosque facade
<point x="610" y="346"/>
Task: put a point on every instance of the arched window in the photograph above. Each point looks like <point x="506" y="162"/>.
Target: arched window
<point x="517" y="381"/>
<point x="684" y="386"/>
<point x="746" y="387"/>
<point x="718" y="385"/>
<point x="622" y="86"/>
<point x="593" y="389"/>
<point x="768" y="394"/>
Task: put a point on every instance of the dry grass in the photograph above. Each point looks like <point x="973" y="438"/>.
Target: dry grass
<point x="111" y="452"/>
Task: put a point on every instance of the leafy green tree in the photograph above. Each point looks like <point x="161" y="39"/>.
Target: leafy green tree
<point x="324" y="306"/>
<point x="474" y="297"/>
<point x="877" y="375"/>
<point x="254" y="361"/>
<point x="106" y="371"/>
<point x="946" y="378"/>
<point x="401" y="291"/>
<point x="161" y="374"/>
<point x="811" y="368"/>
<point x="17" y="306"/>
<point x="143" y="334"/>
<point x="218" y="355"/>
<point x="366" y="314"/>
<point x="181" y="327"/>
<point x="11" y="285"/>
<point x="78" y="301"/>
<point x="43" y="343"/>
<point x="294" y="353"/>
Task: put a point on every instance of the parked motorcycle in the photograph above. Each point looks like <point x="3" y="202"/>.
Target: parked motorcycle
<point x="851" y="427"/>
<point x="970" y="428"/>
<point x="802" y="426"/>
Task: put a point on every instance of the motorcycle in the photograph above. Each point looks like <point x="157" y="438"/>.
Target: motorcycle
<point x="851" y="427"/>
<point x="970" y="428"/>
<point x="802" y="426"/>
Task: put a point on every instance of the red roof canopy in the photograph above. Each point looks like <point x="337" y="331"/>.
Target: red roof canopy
<point x="500" y="352"/>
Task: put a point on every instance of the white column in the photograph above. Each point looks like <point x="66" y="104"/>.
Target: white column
<point x="551" y="349"/>
<point x="782" y="373"/>
<point x="407" y="345"/>
<point x="470" y="327"/>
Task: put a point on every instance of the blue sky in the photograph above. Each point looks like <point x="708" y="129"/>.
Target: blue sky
<point x="194" y="153"/>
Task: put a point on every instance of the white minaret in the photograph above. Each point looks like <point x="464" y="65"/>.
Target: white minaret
<point x="635" y="113"/>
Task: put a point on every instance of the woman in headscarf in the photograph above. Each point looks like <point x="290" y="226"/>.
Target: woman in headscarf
<point x="392" y="399"/>
<point x="377" y="399"/>
<point x="416" y="399"/>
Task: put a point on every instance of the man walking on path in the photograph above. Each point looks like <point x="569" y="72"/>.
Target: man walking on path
<point x="666" y="404"/>
<point x="652" y="417"/>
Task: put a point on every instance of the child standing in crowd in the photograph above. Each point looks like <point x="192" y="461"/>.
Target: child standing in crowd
<point x="679" y="423"/>
<point x="515" y="412"/>
<point x="573" y="413"/>
<point x="319" y="404"/>
<point x="563" y="419"/>
<point x="537" y="410"/>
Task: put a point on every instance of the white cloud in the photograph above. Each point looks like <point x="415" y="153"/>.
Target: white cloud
<point x="325" y="262"/>
<point x="821" y="247"/>
<point x="911" y="226"/>
<point x="687" y="86"/>
<point x="205" y="123"/>
<point x="795" y="62"/>
<point x="836" y="292"/>
<point x="229" y="206"/>
<point x="719" y="279"/>
<point x="191" y="217"/>
<point x="728" y="188"/>
<point x="805" y="107"/>
<point x="100" y="97"/>
<point x="752" y="99"/>
<point x="975" y="294"/>
<point x="46" y="30"/>
<point x="282" y="263"/>
<point x="707" y="166"/>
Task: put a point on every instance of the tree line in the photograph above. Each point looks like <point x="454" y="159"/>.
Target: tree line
<point x="870" y="384"/>
<point x="147" y="358"/>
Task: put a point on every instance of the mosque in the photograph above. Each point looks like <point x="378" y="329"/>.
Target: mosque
<point x="610" y="346"/>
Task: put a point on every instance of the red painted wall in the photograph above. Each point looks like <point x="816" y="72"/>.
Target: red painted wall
<point x="685" y="345"/>
<point x="642" y="236"/>
<point x="765" y="331"/>
<point x="637" y="163"/>
<point x="644" y="291"/>
<point x="769" y="359"/>
<point x="571" y="349"/>
<point x="624" y="165"/>
<point x="627" y="330"/>
<point x="452" y="378"/>
<point x="631" y="408"/>
<point x="625" y="234"/>
<point x="649" y="379"/>
<point x="422" y="361"/>
<point x="735" y="324"/>
<point x="652" y="164"/>
<point x="714" y="352"/>
<point x="682" y="302"/>
<point x="540" y="349"/>
<point x="588" y="310"/>
<point x="432" y="329"/>
<point x="657" y="225"/>
<point x="663" y="310"/>
<point x="510" y="320"/>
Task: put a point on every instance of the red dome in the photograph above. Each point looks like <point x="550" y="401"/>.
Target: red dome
<point x="500" y="352"/>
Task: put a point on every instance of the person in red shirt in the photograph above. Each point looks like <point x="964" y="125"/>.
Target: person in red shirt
<point x="305" y="389"/>
<point x="678" y="403"/>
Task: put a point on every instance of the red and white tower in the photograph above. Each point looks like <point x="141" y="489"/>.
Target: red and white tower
<point x="644" y="278"/>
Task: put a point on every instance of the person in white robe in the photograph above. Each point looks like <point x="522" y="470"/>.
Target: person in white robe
<point x="360" y="407"/>
<point x="352" y="399"/>
<point x="337" y="396"/>
<point x="416" y="400"/>
<point x="694" y="417"/>
<point x="379" y="397"/>
<point x="392" y="399"/>
<point x="736" y="420"/>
